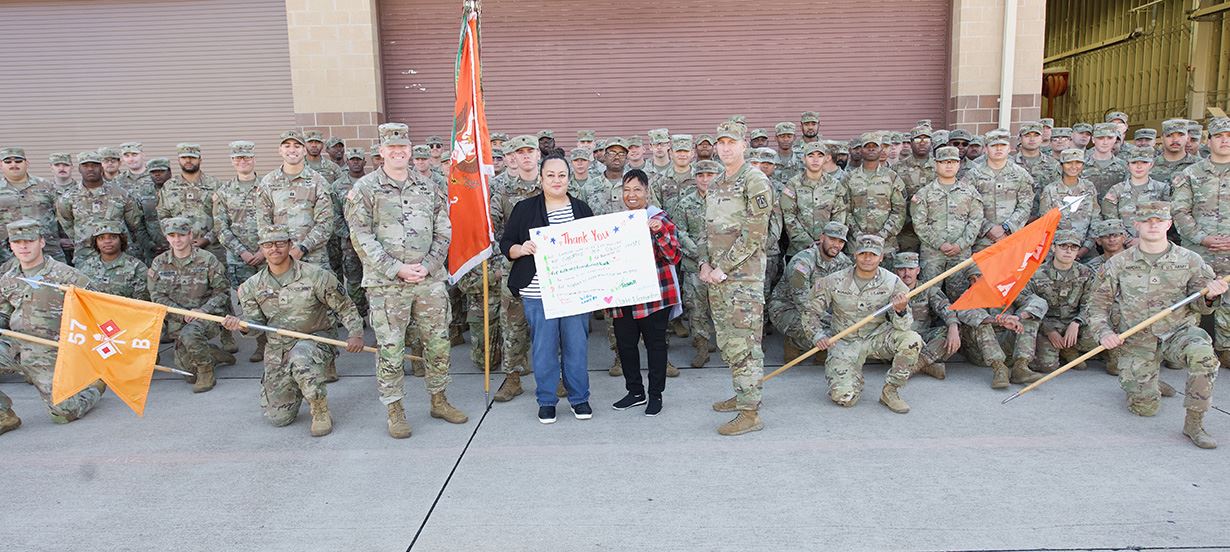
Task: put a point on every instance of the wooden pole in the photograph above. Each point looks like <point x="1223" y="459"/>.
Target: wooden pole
<point x="1129" y="333"/>
<point x="855" y="327"/>
<point x="56" y="344"/>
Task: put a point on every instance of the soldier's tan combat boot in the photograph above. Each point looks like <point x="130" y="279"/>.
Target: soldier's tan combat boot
<point x="455" y="338"/>
<point x="1112" y="363"/>
<point x="1166" y="389"/>
<point x="1193" y="428"/>
<point x="399" y="428"/>
<point x="8" y="421"/>
<point x="617" y="369"/>
<point x="702" y="352"/>
<point x="510" y="388"/>
<point x="1223" y="356"/>
<point x="204" y="380"/>
<point x="936" y="370"/>
<point x="221" y="358"/>
<point x="890" y="398"/>
<point x="1021" y="372"/>
<point x="331" y="370"/>
<point x="789" y="351"/>
<point x="746" y="422"/>
<point x="560" y="390"/>
<point x="1069" y="355"/>
<point x="728" y="405"/>
<point x="440" y="408"/>
<point x="228" y="342"/>
<point x="680" y="329"/>
<point x="999" y="375"/>
<point x="322" y="423"/>
<point x="672" y="371"/>
<point x="259" y="354"/>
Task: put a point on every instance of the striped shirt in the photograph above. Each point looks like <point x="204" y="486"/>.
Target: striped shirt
<point x="558" y="216"/>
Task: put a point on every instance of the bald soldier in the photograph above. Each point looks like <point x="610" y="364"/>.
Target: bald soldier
<point x="793" y="295"/>
<point x="36" y="311"/>
<point x="301" y="297"/>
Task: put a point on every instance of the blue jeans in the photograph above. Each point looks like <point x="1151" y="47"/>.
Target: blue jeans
<point x="558" y="345"/>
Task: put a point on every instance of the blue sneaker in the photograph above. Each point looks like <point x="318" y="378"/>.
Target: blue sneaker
<point x="546" y="414"/>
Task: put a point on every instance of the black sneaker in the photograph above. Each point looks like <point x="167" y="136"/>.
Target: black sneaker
<point x="546" y="414"/>
<point x="655" y="406"/>
<point x="582" y="411"/>
<point x="629" y="401"/>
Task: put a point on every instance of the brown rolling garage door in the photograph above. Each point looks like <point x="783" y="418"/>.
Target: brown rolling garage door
<point x="84" y="73"/>
<point x="626" y="67"/>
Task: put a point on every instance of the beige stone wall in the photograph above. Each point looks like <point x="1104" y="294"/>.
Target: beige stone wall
<point x="977" y="46"/>
<point x="335" y="67"/>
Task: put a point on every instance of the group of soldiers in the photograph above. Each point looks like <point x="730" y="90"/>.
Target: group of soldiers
<point x="788" y="238"/>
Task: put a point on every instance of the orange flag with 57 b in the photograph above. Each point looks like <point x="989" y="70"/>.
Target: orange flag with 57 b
<point x="107" y="337"/>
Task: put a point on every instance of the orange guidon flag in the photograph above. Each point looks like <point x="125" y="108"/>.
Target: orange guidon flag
<point x="107" y="337"/>
<point x="1009" y="264"/>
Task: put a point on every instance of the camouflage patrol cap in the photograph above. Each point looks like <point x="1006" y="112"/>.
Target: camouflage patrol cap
<point x="1082" y="127"/>
<point x="1218" y="125"/>
<point x="1067" y="237"/>
<point x="960" y="134"/>
<point x="274" y="233"/>
<point x="434" y="140"/>
<point x="905" y="259"/>
<point x="110" y="152"/>
<point x="108" y="227"/>
<point x="836" y="230"/>
<point x="499" y="137"/>
<point x="420" y="151"/>
<point x="731" y="129"/>
<point x="764" y="155"/>
<point x="681" y="142"/>
<point x="1061" y="132"/>
<point x="1140" y="154"/>
<point x="1072" y="154"/>
<point x="497" y="152"/>
<point x="333" y="141"/>
<point x="10" y="152"/>
<point x="158" y="164"/>
<point x="706" y="166"/>
<point x="1174" y="126"/>
<point x="867" y="138"/>
<point x="939" y="138"/>
<point x="837" y="147"/>
<point x="176" y="225"/>
<point x="809" y="117"/>
<point x="948" y="153"/>
<point x="924" y="123"/>
<point x="292" y="135"/>
<point x="978" y="140"/>
<point x="896" y="137"/>
<point x="24" y="229"/>
<point x="88" y="157"/>
<point x="920" y="131"/>
<point x="616" y="142"/>
<point x="869" y="243"/>
<point x="757" y="133"/>
<point x="243" y="148"/>
<point x="1047" y="122"/>
<point x="1103" y="130"/>
<point x="546" y="133"/>
<point x="520" y="142"/>
<point x="659" y="136"/>
<point x="599" y="145"/>
<point x="1107" y="227"/>
<point x="785" y="127"/>
<point x="1145" y="134"/>
<point x="1027" y="128"/>
<point x="813" y="147"/>
<point x="1153" y="209"/>
<point x="375" y="151"/>
<point x="994" y="137"/>
<point x="131" y="147"/>
<point x="1116" y="115"/>
<point x="354" y="153"/>
<point x="314" y="136"/>
<point x="1194" y="129"/>
<point x="582" y="136"/>
<point x="59" y="158"/>
<point x="188" y="150"/>
<point x="702" y="138"/>
<point x="738" y="119"/>
<point x="633" y="141"/>
<point x="394" y="134"/>
<point x="580" y="153"/>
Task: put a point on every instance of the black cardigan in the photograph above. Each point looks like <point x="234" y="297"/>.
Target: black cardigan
<point x="528" y="213"/>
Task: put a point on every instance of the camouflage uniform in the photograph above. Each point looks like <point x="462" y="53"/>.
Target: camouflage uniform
<point x="195" y="202"/>
<point x="141" y="188"/>
<point x="36" y="311"/>
<point x="304" y="299"/>
<point x="1201" y="206"/>
<point x="237" y="225"/>
<point x="83" y="210"/>
<point x="1121" y="201"/>
<point x="196" y="282"/>
<point x="927" y="307"/>
<point x="671" y="186"/>
<point x="1045" y="171"/>
<point x="877" y="205"/>
<point x="1065" y="293"/>
<point x="690" y="230"/>
<point x="325" y="167"/>
<point x="302" y="203"/>
<point x="1007" y="198"/>
<point x="352" y="267"/>
<point x="946" y="214"/>
<point x="1165" y="171"/>
<point x="1081" y="220"/>
<point x="506" y="191"/>
<point x="808" y="205"/>
<point x="125" y="275"/>
<point x="34" y="199"/>
<point x="794" y="294"/>
<point x="1104" y="174"/>
<point x="989" y="344"/>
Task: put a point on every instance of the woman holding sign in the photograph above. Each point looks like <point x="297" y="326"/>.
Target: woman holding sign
<point x="648" y="321"/>
<point x="559" y="344"/>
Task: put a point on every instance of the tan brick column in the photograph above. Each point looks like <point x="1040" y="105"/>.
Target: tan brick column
<point x="977" y="46"/>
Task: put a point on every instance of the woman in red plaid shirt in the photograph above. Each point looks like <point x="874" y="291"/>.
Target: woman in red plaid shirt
<point x="648" y="321"/>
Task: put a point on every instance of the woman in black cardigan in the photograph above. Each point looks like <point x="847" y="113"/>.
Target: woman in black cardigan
<point x="558" y="345"/>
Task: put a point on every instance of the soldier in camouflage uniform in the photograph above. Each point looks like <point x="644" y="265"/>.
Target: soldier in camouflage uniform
<point x="61" y="173"/>
<point x="704" y="148"/>
<point x="1174" y="157"/>
<point x="1061" y="139"/>
<point x="939" y="342"/>
<point x="812" y="199"/>
<point x="236" y="221"/>
<point x="314" y="142"/>
<point x="766" y="161"/>
<point x="660" y="153"/>
<point x="1043" y="168"/>
<point x="848" y="296"/>
<point x="298" y="197"/>
<point x="690" y="230"/>
<point x="36" y="311"/>
<point x="673" y="181"/>
<point x="1021" y="321"/>
<point x="916" y="168"/>
<point x="352" y="267"/>
<point x="1140" y="187"/>
<point x="435" y="145"/>
<point x="949" y="214"/>
<point x="738" y="206"/>
<point x="25" y="196"/>
<point x="1055" y="194"/>
<point x="159" y="169"/>
<point x="1007" y="192"/>
<point x="93" y="203"/>
<point x="111" y="158"/>
<point x="1142" y="281"/>
<point x="1102" y="167"/>
<point x="519" y="182"/>
<point x="400" y="228"/>
<point x="190" y="195"/>
<point x="1065" y="285"/>
<point x="789" y="162"/>
<point x="111" y="269"/>
<point x="377" y="160"/>
<point x="191" y="278"/>
<point x="134" y="178"/>
<point x="1111" y="237"/>
<point x="421" y="157"/>
<point x="1201" y="203"/>
<point x="579" y="177"/>
<point x="877" y="197"/>
<point x="793" y="295"/>
<point x="301" y="297"/>
<point x="1082" y="135"/>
